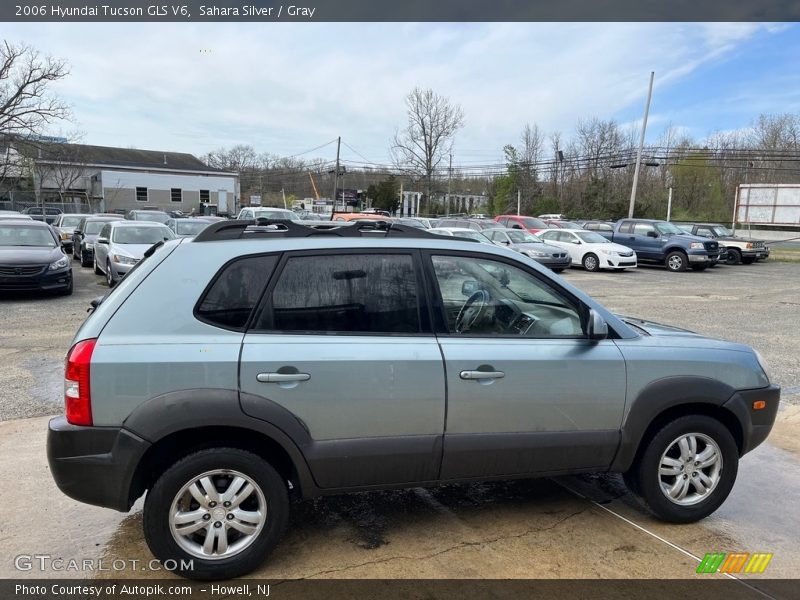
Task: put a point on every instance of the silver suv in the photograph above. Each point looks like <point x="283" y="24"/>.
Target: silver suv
<point x="259" y="362"/>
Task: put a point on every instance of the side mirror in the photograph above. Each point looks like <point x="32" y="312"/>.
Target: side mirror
<point x="102" y="240"/>
<point x="652" y="234"/>
<point x="598" y="328"/>
<point x="516" y="226"/>
<point x="469" y="287"/>
<point x="505" y="242"/>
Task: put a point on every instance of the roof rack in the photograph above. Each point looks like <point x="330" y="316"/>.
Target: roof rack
<point x="240" y="229"/>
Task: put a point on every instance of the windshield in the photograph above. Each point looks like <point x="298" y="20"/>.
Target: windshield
<point x="532" y="223"/>
<point x="721" y="231"/>
<point x="141" y="235"/>
<point x="276" y="213"/>
<point x="157" y="217"/>
<point x="26" y="236"/>
<point x="191" y="227"/>
<point x="592" y="238"/>
<point x="70" y="221"/>
<point x="523" y="237"/>
<point x="668" y="228"/>
<point x="93" y="227"/>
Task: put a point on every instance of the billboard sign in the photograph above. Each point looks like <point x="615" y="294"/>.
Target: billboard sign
<point x="768" y="204"/>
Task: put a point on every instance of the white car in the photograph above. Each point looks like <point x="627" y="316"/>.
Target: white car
<point x="590" y="249"/>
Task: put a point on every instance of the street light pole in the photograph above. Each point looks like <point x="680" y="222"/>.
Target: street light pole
<point x="641" y="145"/>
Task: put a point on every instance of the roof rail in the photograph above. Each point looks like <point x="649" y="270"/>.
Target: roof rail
<point x="240" y="228"/>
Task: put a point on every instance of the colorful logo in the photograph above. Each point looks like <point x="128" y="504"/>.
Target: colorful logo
<point x="735" y="562"/>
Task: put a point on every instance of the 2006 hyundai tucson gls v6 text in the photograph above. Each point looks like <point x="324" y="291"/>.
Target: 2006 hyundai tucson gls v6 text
<point x="262" y="361"/>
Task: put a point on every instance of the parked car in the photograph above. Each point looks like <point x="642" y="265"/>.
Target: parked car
<point x="31" y="258"/>
<point x="461" y="232"/>
<point x="85" y="234"/>
<point x="739" y="249"/>
<point x="465" y="223"/>
<point x="591" y="250"/>
<point x="65" y="226"/>
<point x="413" y="222"/>
<point x="149" y="214"/>
<point x="50" y="214"/>
<point x="187" y="227"/>
<point x="122" y="244"/>
<point x="257" y="212"/>
<point x="11" y="216"/>
<point x="663" y="243"/>
<point x="529" y="224"/>
<point x="528" y="244"/>
<point x="598" y="225"/>
<point x="360" y="216"/>
<point x="246" y="384"/>
<point x="558" y="224"/>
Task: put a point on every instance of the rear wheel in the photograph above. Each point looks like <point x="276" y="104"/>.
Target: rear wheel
<point x="676" y="261"/>
<point x="85" y="262"/>
<point x="591" y="262"/>
<point x="110" y="276"/>
<point x="224" y="509"/>
<point x="687" y="469"/>
<point x="97" y="270"/>
<point x="734" y="256"/>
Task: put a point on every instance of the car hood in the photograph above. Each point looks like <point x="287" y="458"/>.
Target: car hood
<point x="688" y="237"/>
<point x="657" y="329"/>
<point x="536" y="247"/>
<point x="132" y="250"/>
<point x="28" y="255"/>
<point x="735" y="238"/>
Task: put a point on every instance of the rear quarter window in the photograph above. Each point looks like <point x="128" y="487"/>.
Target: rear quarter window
<point x="234" y="292"/>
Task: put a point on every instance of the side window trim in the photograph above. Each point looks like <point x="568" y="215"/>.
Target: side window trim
<point x="437" y="301"/>
<point x="424" y="310"/>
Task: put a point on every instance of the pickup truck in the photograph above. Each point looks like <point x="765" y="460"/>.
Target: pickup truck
<point x="740" y="250"/>
<point x="662" y="242"/>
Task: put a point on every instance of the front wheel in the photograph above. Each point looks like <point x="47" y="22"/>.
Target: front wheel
<point x="591" y="262"/>
<point x="110" y="276"/>
<point x="676" y="261"/>
<point x="687" y="469"/>
<point x="734" y="256"/>
<point x="221" y="510"/>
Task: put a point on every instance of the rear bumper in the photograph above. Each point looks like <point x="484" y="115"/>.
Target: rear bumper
<point x="756" y="424"/>
<point x="94" y="465"/>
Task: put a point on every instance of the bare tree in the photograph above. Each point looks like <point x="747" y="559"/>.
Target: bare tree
<point x="427" y="138"/>
<point x="26" y="104"/>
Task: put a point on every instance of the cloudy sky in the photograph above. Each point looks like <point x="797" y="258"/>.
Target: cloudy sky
<point x="286" y="88"/>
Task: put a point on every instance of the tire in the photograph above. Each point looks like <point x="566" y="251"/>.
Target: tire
<point x="110" y="276"/>
<point x="748" y="260"/>
<point x="710" y="436"/>
<point x="75" y="251"/>
<point x="269" y="495"/>
<point x="734" y="256"/>
<point x="97" y="271"/>
<point x="590" y="262"/>
<point x="559" y="270"/>
<point x="68" y="291"/>
<point x="676" y="261"/>
<point x="85" y="262"/>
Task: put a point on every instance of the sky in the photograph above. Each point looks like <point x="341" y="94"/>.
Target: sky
<point x="287" y="88"/>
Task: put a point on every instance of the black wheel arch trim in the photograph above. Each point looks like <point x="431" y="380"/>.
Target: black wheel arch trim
<point x="184" y="410"/>
<point x="662" y="395"/>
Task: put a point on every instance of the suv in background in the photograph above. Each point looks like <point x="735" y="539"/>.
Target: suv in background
<point x="295" y="361"/>
<point x="149" y="214"/>
<point x="50" y="214"/>
<point x="65" y="226"/>
<point x="85" y="234"/>
<point x="739" y="249"/>
<point x="529" y="224"/>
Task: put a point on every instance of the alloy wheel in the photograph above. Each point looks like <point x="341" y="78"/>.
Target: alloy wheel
<point x="690" y="469"/>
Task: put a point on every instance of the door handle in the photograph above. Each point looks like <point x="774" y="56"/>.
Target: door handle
<point x="282" y="377"/>
<point x="481" y="374"/>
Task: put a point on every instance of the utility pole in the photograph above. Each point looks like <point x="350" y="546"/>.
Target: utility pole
<point x="669" y="203"/>
<point x="641" y="145"/>
<point x="336" y="175"/>
<point x="519" y="201"/>
<point x="449" y="178"/>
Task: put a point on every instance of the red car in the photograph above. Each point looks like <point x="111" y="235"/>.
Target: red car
<point x="531" y="224"/>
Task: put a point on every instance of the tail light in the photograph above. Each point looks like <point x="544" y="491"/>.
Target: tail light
<point x="77" y="391"/>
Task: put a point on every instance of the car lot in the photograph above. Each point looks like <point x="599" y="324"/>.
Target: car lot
<point x="544" y="528"/>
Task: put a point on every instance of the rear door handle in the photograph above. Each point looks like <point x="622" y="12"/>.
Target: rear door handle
<point x="481" y="374"/>
<point x="282" y="377"/>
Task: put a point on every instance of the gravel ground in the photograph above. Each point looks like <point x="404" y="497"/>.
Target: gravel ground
<point x="756" y="304"/>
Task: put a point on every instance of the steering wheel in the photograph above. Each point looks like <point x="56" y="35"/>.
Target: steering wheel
<point x="472" y="310"/>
